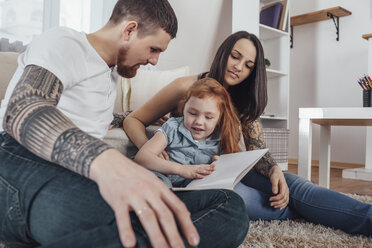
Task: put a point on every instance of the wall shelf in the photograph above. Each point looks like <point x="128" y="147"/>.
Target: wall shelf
<point x="319" y="15"/>
<point x="279" y="118"/>
<point x="332" y="13"/>
<point x="366" y="36"/>
<point x="267" y="33"/>
<point x="275" y="73"/>
<point x="275" y="42"/>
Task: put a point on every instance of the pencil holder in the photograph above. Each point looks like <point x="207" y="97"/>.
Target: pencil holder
<point x="367" y="98"/>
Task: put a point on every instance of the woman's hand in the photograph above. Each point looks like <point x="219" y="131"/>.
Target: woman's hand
<point x="164" y="155"/>
<point x="196" y="171"/>
<point x="160" y="121"/>
<point x="279" y="188"/>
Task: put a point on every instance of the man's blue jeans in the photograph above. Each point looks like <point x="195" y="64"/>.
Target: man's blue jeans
<point x="306" y="200"/>
<point x="45" y="205"/>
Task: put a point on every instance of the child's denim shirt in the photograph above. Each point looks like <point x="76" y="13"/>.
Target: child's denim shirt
<point x="183" y="149"/>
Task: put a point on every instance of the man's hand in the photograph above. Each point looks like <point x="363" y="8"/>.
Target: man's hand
<point x="196" y="171"/>
<point x="125" y="186"/>
<point x="279" y="188"/>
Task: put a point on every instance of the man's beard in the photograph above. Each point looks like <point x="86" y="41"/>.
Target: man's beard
<point x="124" y="70"/>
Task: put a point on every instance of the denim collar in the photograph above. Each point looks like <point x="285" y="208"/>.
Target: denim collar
<point x="214" y="139"/>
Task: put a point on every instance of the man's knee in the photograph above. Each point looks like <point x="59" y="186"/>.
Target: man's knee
<point x="239" y="217"/>
<point x="219" y="216"/>
<point x="234" y="219"/>
<point x="66" y="203"/>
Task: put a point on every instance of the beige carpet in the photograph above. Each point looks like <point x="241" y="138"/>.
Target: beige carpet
<point x="288" y="234"/>
<point x="301" y="234"/>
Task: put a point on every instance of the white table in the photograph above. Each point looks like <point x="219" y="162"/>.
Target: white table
<point x="327" y="117"/>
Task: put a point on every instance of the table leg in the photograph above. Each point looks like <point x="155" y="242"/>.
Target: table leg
<point x="304" y="148"/>
<point x="325" y="155"/>
<point x="366" y="172"/>
<point x="369" y="148"/>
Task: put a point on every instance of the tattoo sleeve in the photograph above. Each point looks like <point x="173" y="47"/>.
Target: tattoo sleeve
<point x="119" y="118"/>
<point x="253" y="138"/>
<point x="34" y="121"/>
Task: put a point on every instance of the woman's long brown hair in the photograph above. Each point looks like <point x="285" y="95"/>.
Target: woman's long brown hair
<point x="228" y="123"/>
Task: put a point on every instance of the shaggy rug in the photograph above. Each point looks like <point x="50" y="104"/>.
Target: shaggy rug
<point x="299" y="233"/>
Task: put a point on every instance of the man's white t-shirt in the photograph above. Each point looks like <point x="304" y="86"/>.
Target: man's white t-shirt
<point x="89" y="85"/>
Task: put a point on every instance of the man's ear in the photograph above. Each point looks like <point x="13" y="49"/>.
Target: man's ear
<point x="130" y="28"/>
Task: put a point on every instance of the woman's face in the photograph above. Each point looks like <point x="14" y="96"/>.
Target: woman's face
<point x="240" y="62"/>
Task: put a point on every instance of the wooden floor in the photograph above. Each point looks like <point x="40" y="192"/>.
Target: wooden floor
<point x="338" y="183"/>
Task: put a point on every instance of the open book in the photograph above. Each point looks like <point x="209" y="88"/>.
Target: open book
<point x="230" y="169"/>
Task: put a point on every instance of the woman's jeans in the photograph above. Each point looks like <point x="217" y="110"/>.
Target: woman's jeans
<point x="45" y="205"/>
<point x="306" y="200"/>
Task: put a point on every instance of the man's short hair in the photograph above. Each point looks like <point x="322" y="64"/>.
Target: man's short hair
<point x="149" y="14"/>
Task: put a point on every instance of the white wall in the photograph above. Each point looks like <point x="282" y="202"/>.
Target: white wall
<point x="324" y="72"/>
<point x="100" y="12"/>
<point x="202" y="26"/>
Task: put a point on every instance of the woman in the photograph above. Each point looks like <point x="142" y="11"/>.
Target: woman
<point x="267" y="192"/>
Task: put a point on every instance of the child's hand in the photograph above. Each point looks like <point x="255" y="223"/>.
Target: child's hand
<point x="215" y="157"/>
<point x="196" y="171"/>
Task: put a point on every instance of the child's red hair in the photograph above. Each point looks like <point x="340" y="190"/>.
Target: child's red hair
<point x="228" y="123"/>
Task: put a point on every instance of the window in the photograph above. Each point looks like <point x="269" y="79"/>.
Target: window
<point x="20" y="19"/>
<point x="75" y="14"/>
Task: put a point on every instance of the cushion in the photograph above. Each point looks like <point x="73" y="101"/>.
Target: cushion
<point x="122" y="95"/>
<point x="126" y="90"/>
<point x="147" y="83"/>
<point x="8" y="65"/>
<point x="118" y="139"/>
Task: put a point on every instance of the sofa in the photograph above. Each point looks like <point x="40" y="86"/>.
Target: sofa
<point x="131" y="94"/>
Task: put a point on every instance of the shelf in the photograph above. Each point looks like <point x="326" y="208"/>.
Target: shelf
<point x="268" y="1"/>
<point x="274" y="73"/>
<point x="332" y="13"/>
<point x="277" y="118"/>
<point x="320" y="15"/>
<point x="275" y="42"/>
<point x="267" y="33"/>
<point x="366" y="36"/>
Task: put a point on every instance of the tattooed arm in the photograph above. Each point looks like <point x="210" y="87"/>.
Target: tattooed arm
<point x="34" y="121"/>
<point x="253" y="138"/>
<point x="267" y="166"/>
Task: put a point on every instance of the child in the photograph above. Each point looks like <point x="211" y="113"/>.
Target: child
<point x="208" y="127"/>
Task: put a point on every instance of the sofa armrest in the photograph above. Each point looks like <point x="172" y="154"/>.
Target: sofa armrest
<point x="8" y="65"/>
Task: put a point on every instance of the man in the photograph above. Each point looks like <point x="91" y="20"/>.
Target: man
<point x="60" y="184"/>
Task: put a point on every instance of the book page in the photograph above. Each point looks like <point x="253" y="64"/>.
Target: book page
<point x="230" y="169"/>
